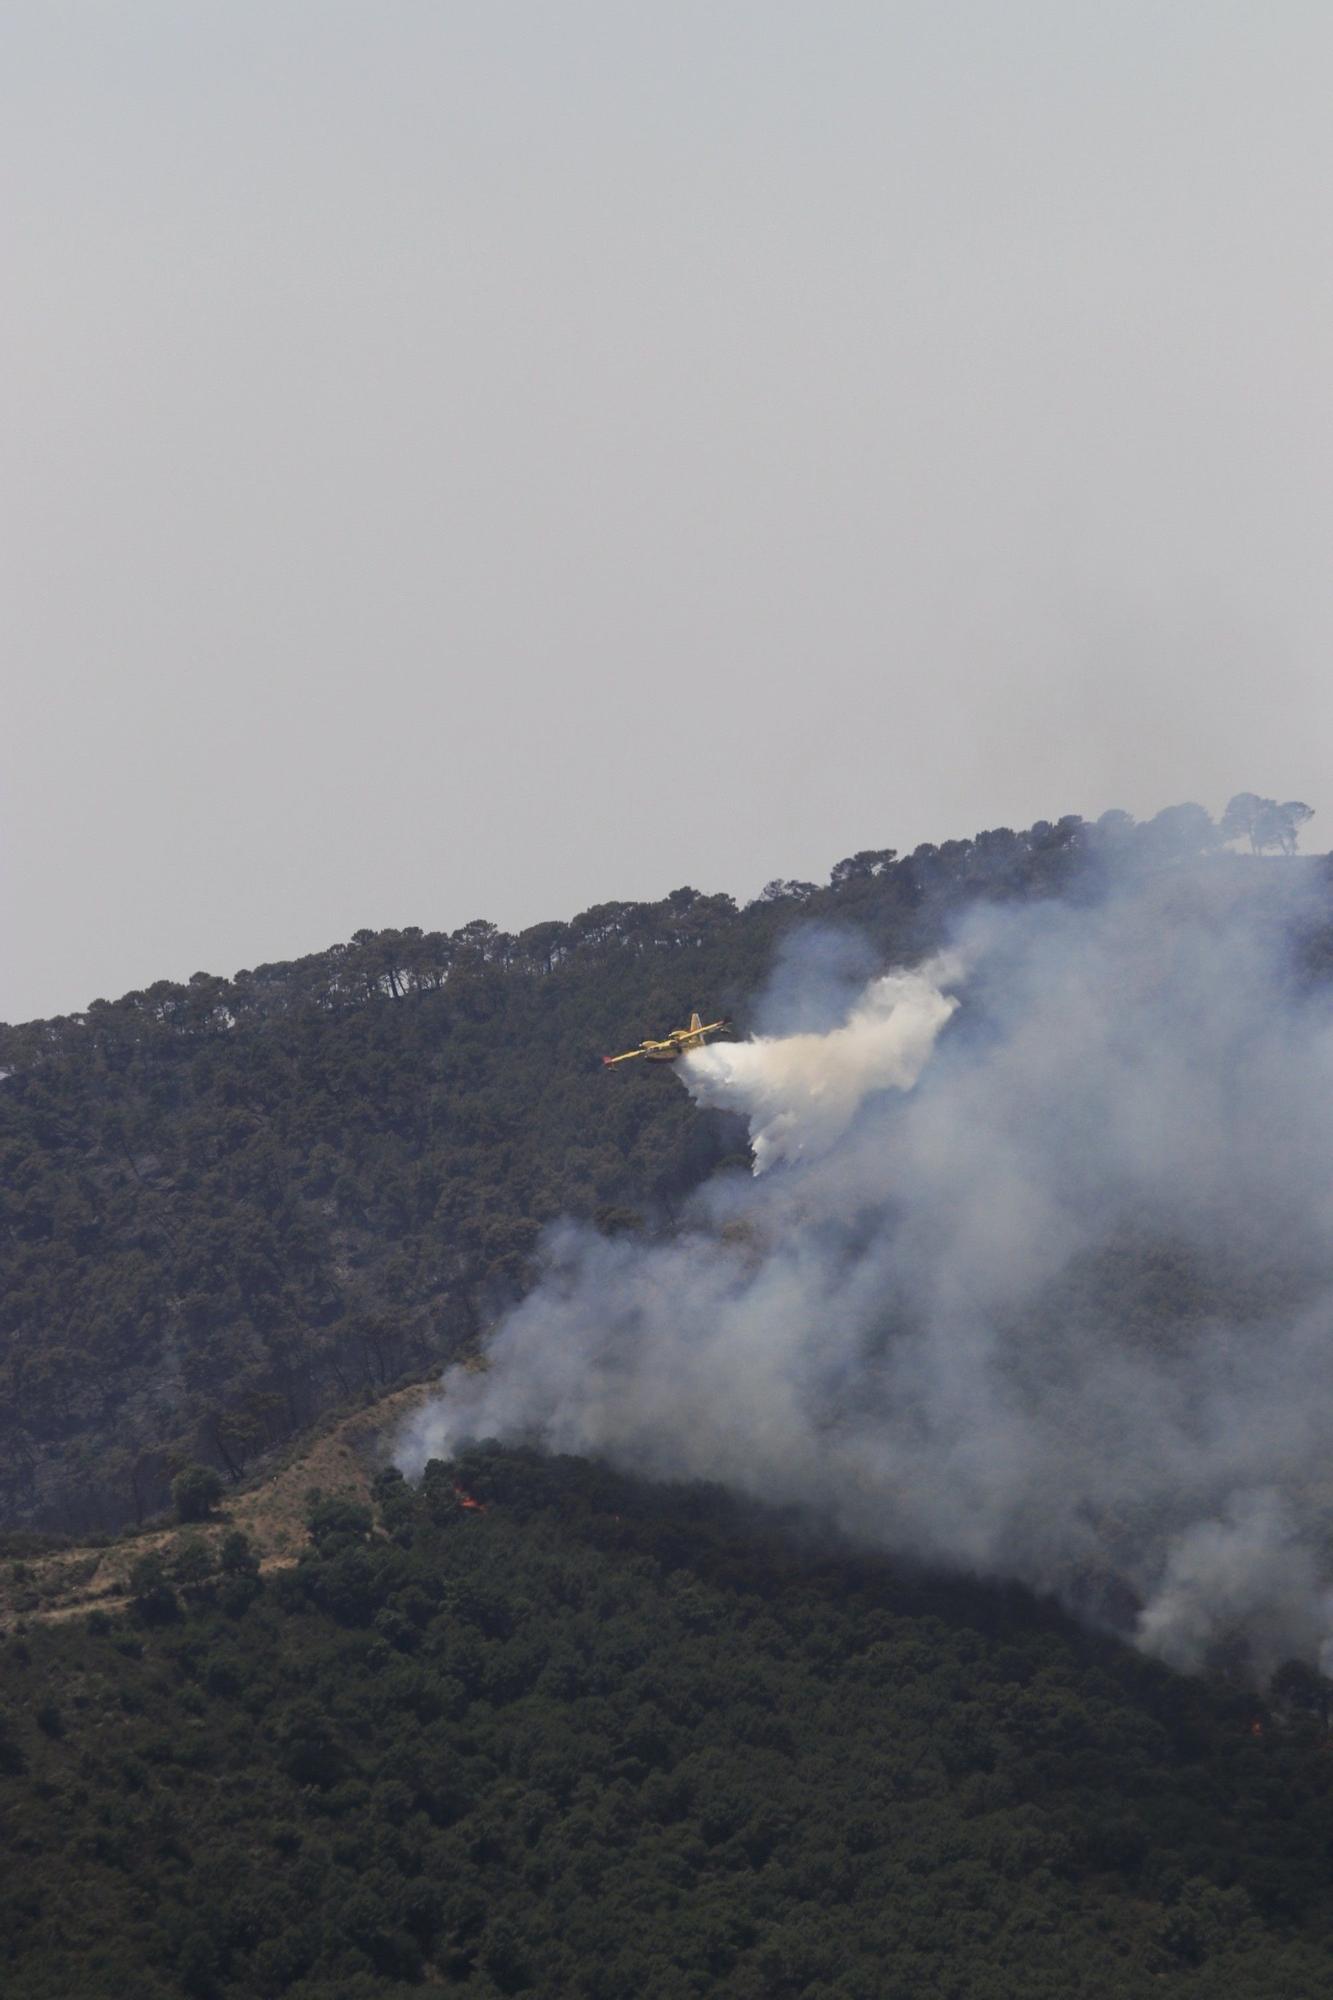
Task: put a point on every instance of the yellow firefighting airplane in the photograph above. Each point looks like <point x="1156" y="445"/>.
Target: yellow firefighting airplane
<point x="673" y="1045"/>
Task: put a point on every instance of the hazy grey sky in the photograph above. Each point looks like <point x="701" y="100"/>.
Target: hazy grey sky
<point x="482" y="459"/>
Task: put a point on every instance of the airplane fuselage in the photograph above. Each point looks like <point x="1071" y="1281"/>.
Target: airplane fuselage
<point x="672" y="1046"/>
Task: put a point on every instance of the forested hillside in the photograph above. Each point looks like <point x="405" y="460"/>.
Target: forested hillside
<point x="594" y="1738"/>
<point x="232" y="1202"/>
<point x="531" y="1725"/>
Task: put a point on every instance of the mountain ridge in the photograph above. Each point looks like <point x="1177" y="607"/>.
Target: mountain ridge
<point x="230" y="1205"/>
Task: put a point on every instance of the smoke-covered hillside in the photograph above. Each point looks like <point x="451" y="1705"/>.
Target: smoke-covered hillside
<point x="987" y="1264"/>
<point x="1033" y="1273"/>
<point x="231" y="1203"/>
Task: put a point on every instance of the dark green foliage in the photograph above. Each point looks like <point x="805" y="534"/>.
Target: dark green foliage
<point x="611" y="1740"/>
<point x="195" y="1491"/>
<point x="338" y="1523"/>
<point x="151" y="1594"/>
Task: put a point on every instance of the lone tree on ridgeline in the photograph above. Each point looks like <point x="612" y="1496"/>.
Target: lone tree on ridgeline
<point x="1264" y="822"/>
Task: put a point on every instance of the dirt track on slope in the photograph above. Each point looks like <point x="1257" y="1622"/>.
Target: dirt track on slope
<point x="343" y="1460"/>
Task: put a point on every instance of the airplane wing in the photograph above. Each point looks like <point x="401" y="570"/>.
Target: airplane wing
<point x="630" y="1055"/>
<point x="698" y="1029"/>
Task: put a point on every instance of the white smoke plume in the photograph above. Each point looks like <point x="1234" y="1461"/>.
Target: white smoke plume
<point x="801" y="1092"/>
<point x="1039" y="1284"/>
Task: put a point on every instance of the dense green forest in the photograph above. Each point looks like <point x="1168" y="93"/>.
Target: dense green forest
<point x="230" y="1204"/>
<point x="532" y="1726"/>
<point x="637" y="1743"/>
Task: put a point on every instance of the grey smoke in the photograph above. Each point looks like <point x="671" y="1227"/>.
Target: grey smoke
<point x="1049" y="1298"/>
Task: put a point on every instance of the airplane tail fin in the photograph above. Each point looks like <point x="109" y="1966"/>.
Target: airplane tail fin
<point x="695" y="1024"/>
